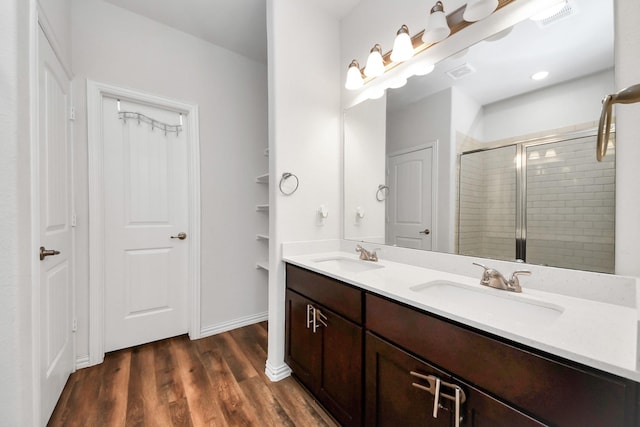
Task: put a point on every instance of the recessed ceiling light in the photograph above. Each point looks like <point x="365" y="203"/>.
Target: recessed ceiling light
<point x="540" y="75"/>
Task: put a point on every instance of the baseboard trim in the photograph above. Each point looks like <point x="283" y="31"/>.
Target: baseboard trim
<point x="233" y="324"/>
<point x="277" y="373"/>
<point x="82" y="362"/>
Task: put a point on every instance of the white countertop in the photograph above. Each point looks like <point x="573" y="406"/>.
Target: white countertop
<point x="596" y="334"/>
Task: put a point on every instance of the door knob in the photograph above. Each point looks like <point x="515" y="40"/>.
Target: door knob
<point x="425" y="231"/>
<point x="47" y="252"/>
<point x="182" y="235"/>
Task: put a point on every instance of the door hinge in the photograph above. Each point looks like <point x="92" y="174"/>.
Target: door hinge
<point x="72" y="113"/>
<point x="74" y="220"/>
<point x="74" y="325"/>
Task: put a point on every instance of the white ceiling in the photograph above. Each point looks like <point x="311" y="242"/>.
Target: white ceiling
<point x="236" y="25"/>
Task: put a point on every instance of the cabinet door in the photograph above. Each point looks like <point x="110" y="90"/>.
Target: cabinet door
<point x="341" y="373"/>
<point x="303" y="347"/>
<point x="482" y="410"/>
<point x="391" y="399"/>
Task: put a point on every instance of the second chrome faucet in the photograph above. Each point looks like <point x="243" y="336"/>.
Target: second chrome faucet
<point x="494" y="279"/>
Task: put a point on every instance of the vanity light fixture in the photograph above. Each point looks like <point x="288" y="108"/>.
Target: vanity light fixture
<point x="375" y="64"/>
<point x="479" y="9"/>
<point x="437" y="27"/>
<point x="402" y="46"/>
<point x="354" y="76"/>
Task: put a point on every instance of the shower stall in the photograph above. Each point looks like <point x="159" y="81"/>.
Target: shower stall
<point x="546" y="201"/>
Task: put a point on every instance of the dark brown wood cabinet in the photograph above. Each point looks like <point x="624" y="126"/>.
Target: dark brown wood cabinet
<point x="504" y="383"/>
<point x="323" y="347"/>
<point x="393" y="397"/>
<point x="554" y="392"/>
<point x="390" y="396"/>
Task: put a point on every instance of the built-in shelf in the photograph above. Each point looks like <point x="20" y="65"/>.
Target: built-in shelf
<point x="262" y="233"/>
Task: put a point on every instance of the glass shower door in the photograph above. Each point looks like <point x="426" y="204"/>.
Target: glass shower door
<point x="488" y="203"/>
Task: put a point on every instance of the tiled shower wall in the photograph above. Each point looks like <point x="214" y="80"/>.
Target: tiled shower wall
<point x="570" y="205"/>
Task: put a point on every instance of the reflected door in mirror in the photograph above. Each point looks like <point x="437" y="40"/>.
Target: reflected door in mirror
<point x="411" y="199"/>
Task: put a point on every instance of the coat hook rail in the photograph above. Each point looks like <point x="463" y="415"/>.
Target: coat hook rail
<point x="165" y="127"/>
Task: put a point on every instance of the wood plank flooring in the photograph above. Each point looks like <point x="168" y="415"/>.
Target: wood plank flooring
<point x="214" y="381"/>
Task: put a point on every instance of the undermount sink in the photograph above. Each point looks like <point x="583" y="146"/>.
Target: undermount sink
<point x="348" y="265"/>
<point x="491" y="303"/>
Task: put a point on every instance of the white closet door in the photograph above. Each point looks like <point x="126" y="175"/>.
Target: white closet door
<point x="146" y="202"/>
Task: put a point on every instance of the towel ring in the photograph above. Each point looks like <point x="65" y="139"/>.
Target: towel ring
<point x="382" y="193"/>
<point x="285" y="177"/>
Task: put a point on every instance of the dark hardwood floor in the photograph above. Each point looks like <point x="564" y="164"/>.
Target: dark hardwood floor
<point x="214" y="381"/>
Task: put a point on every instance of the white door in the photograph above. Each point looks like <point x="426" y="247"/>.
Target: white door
<point x="410" y="199"/>
<point x="54" y="188"/>
<point x="145" y="204"/>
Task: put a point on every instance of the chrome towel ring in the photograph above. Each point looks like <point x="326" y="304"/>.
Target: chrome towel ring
<point x="291" y="188"/>
<point x="382" y="193"/>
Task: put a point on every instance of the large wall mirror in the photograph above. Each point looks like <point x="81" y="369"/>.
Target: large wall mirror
<point x="479" y="158"/>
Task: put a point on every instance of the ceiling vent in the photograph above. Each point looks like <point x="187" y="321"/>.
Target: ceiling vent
<point x="461" y="71"/>
<point x="568" y="10"/>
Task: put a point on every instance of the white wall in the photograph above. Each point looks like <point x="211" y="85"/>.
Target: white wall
<point x="15" y="278"/>
<point x="304" y="139"/>
<point x="56" y="15"/>
<point x="364" y="170"/>
<point x="425" y="121"/>
<point x="114" y="46"/>
<point x="566" y="104"/>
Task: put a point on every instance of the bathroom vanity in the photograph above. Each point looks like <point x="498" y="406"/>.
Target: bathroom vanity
<point x="373" y="354"/>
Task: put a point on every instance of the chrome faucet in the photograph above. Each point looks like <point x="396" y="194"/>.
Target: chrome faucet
<point x="366" y="255"/>
<point x="494" y="279"/>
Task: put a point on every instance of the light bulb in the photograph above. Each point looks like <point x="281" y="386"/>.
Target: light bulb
<point x="354" y="76"/>
<point x="479" y="9"/>
<point x="375" y="64"/>
<point x="437" y="27"/>
<point x="402" y="46"/>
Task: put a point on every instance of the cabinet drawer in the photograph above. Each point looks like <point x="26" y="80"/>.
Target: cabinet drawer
<point x="333" y="294"/>
<point x="551" y="391"/>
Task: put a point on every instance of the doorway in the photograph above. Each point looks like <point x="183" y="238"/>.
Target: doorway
<point x="144" y="210"/>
